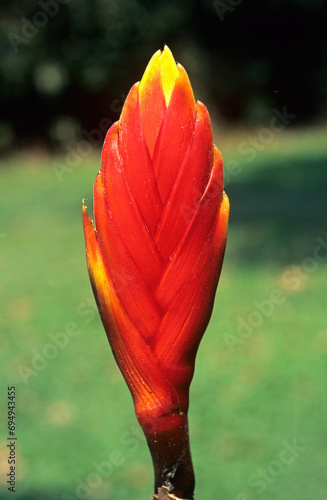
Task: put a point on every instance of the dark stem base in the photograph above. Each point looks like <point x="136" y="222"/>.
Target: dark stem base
<point x="168" y="440"/>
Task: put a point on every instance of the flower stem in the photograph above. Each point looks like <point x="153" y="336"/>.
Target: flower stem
<point x="168" y="441"/>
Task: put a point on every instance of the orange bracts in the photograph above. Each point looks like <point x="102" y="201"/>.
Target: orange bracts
<point x="156" y="250"/>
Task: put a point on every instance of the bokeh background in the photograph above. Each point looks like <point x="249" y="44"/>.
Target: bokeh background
<point x="258" y="406"/>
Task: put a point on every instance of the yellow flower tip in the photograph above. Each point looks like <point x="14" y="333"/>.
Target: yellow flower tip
<point x="169" y="72"/>
<point x="151" y="72"/>
<point x="162" y="64"/>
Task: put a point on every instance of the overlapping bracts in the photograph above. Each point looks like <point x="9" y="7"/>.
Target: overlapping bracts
<point x="156" y="250"/>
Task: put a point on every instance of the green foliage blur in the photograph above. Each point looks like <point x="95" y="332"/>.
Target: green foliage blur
<point x="258" y="398"/>
<point x="65" y="63"/>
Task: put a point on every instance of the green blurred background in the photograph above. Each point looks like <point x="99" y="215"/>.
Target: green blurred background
<point x="258" y="416"/>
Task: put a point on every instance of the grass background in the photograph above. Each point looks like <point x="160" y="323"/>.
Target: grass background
<point x="250" y="395"/>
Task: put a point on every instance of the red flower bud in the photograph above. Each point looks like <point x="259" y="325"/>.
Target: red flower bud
<point x="156" y="250"/>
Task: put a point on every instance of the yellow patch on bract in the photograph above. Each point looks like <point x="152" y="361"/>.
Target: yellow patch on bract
<point x="163" y="63"/>
<point x="169" y="73"/>
<point x="150" y="74"/>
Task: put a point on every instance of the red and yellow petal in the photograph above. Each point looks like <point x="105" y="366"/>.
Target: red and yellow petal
<point x="175" y="134"/>
<point x="129" y="282"/>
<point x="136" y="162"/>
<point x="188" y="314"/>
<point x="152" y="101"/>
<point x="152" y="394"/>
<point x="184" y="196"/>
<point x="191" y="243"/>
<point x="123" y="212"/>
